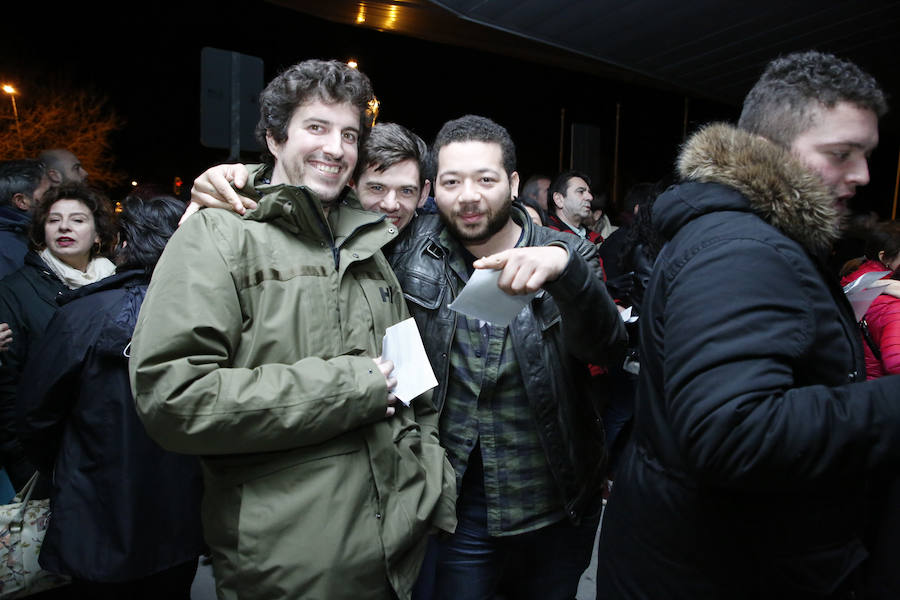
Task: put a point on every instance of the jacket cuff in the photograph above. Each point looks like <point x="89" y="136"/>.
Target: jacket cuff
<point x="573" y="280"/>
<point x="371" y="387"/>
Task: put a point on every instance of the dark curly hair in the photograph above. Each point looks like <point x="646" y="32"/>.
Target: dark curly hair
<point x="642" y="234"/>
<point x="329" y="81"/>
<point x="784" y="102"/>
<point x="97" y="203"/>
<point x="472" y="128"/>
<point x="146" y="224"/>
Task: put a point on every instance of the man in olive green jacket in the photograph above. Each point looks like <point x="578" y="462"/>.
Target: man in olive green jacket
<point x="258" y="348"/>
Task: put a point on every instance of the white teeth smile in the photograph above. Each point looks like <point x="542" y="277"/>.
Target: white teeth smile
<point x="328" y="169"/>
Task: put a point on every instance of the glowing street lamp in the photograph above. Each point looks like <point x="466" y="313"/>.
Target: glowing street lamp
<point x="8" y="89"/>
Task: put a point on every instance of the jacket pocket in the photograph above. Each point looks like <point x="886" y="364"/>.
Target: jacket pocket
<point x="312" y="518"/>
<point x="546" y="311"/>
<point x="425" y="293"/>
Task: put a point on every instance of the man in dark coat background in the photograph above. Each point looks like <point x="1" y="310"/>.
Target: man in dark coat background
<point x="22" y="183"/>
<point x="755" y="433"/>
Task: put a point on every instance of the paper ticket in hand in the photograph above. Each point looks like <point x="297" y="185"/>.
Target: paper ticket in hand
<point x="483" y="299"/>
<point x="402" y="345"/>
<point x="862" y="291"/>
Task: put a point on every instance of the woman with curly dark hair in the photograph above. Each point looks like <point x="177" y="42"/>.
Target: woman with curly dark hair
<point x="126" y="513"/>
<point x="72" y="232"/>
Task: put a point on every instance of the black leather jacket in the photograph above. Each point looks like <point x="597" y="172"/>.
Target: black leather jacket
<point x="570" y="322"/>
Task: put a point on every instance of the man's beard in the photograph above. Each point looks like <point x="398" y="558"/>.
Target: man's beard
<point x="496" y="222"/>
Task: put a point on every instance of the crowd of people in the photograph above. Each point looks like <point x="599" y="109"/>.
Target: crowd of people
<point x="125" y="513"/>
<point x="687" y="376"/>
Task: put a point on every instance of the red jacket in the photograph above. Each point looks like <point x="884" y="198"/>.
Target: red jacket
<point x="554" y="222"/>
<point x="883" y="318"/>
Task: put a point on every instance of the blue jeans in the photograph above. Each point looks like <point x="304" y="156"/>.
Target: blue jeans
<point x="471" y="565"/>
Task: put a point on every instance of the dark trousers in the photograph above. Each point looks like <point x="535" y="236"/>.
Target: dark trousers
<point x="471" y="565"/>
<point x="618" y="414"/>
<point x="171" y="584"/>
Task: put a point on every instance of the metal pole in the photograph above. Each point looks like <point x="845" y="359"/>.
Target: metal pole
<point x="562" y="135"/>
<point x="18" y="129"/>
<point x="615" y="177"/>
<point x="235" y="113"/>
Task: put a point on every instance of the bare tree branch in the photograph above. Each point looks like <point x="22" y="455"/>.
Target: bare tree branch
<point x="77" y="119"/>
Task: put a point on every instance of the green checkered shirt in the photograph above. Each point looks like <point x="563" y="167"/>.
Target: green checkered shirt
<point x="486" y="407"/>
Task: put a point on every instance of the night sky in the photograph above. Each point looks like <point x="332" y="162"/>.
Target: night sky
<point x="147" y="60"/>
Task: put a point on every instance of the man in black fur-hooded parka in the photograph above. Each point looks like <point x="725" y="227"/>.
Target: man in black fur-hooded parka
<point x="756" y="435"/>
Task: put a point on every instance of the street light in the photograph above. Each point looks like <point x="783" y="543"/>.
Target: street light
<point x="8" y="89"/>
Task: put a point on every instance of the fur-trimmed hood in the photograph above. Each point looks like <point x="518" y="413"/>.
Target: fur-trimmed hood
<point x="775" y="184"/>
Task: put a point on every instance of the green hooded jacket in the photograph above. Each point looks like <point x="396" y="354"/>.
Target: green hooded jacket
<point x="254" y="350"/>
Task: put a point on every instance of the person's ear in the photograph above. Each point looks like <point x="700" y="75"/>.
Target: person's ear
<point x="426" y="188"/>
<point x="22" y="201"/>
<point x="514" y="185"/>
<point x="558" y="199"/>
<point x="54" y="176"/>
<point x="273" y="146"/>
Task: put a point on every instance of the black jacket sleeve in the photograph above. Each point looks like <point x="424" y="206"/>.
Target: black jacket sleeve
<point x="591" y="325"/>
<point x="49" y="388"/>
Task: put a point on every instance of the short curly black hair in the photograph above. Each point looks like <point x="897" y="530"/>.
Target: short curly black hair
<point x="329" y="81"/>
<point x="97" y="203"/>
<point x="146" y="224"/>
<point x="473" y="128"/>
<point x="785" y="101"/>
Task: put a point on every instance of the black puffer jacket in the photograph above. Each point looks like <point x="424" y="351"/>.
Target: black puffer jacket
<point x="571" y="322"/>
<point x="27" y="301"/>
<point x="14" y="225"/>
<point x="123" y="508"/>
<point x="754" y="427"/>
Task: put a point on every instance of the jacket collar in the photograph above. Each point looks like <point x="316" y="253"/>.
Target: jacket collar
<point x="297" y="209"/>
<point x="119" y="279"/>
<point x="775" y="184"/>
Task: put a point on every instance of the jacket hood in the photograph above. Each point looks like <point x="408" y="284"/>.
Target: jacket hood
<point x="297" y="209"/>
<point x="776" y="185"/>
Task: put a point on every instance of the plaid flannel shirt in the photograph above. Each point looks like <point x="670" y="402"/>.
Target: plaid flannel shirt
<point x="486" y="408"/>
